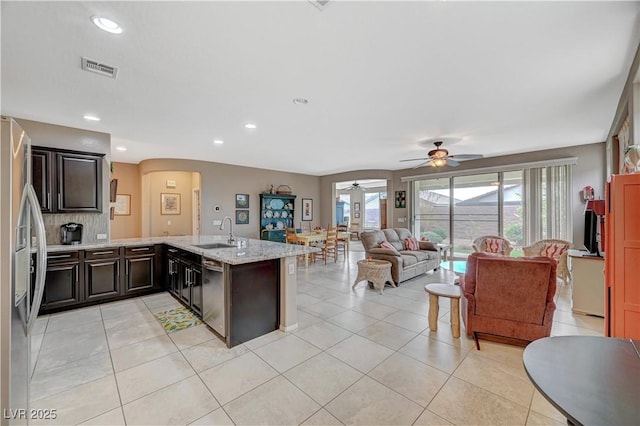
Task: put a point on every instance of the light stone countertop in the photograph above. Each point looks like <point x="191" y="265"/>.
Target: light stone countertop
<point x="246" y="250"/>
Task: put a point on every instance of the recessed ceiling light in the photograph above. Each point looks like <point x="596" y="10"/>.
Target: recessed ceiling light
<point x="91" y="117"/>
<point x="121" y="148"/>
<point x="300" y="101"/>
<point x="218" y="142"/>
<point x="107" y="25"/>
<point x="250" y="126"/>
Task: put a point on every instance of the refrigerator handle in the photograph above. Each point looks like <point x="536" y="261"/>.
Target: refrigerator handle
<point x="41" y="256"/>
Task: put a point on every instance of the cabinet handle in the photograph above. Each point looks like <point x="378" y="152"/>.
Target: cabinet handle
<point x="140" y="249"/>
<point x="49" y="200"/>
<point x="117" y="269"/>
<point x="173" y="251"/>
<point x="59" y="256"/>
<point x="75" y="268"/>
<point x="126" y="267"/>
<point x="59" y="200"/>
<point x="98" y="253"/>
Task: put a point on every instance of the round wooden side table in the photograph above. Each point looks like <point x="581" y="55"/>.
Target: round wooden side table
<point x="376" y="271"/>
<point x="436" y="290"/>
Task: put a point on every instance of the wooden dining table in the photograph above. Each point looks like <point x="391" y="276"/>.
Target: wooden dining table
<point x="317" y="236"/>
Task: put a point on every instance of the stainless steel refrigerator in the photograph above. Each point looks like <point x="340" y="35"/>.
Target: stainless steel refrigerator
<point x="23" y="261"/>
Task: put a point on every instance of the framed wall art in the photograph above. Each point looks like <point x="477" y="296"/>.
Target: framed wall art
<point x="123" y="205"/>
<point x="401" y="199"/>
<point x="307" y="209"/>
<point x="242" y="217"/>
<point x="169" y="203"/>
<point x="242" y="201"/>
<point x="356" y="206"/>
<point x="356" y="215"/>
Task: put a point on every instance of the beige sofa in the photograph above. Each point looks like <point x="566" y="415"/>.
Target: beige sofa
<point x="405" y="264"/>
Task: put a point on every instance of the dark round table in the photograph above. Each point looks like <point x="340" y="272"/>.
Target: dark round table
<point x="591" y="380"/>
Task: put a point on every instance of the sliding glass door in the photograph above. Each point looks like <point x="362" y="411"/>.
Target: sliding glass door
<point x="432" y="209"/>
<point x="475" y="209"/>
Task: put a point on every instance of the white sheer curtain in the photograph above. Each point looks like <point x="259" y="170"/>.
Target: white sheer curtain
<point x="559" y="223"/>
<point x="548" y="203"/>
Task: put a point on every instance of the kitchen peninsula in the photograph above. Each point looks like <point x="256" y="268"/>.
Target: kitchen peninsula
<point x="241" y="289"/>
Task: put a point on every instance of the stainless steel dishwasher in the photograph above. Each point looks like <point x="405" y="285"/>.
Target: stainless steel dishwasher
<point x="213" y="295"/>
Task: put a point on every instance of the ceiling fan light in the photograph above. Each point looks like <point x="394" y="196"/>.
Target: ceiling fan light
<point x="439" y="162"/>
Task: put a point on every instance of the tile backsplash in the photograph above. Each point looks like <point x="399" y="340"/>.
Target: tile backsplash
<point x="92" y="225"/>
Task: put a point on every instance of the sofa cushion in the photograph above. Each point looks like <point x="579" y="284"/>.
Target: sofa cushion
<point x="393" y="238"/>
<point x="420" y="256"/>
<point x="387" y="245"/>
<point x="409" y="259"/>
<point x="411" y="244"/>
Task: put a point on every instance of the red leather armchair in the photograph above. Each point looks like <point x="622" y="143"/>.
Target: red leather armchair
<point x="508" y="297"/>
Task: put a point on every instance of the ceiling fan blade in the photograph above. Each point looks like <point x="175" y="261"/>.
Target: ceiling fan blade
<point x="452" y="163"/>
<point x="466" y="156"/>
<point x="422" y="164"/>
<point x="415" y="159"/>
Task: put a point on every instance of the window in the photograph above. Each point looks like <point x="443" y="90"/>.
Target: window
<point x="523" y="205"/>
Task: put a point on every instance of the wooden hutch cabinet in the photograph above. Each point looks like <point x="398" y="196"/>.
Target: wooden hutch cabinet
<point x="277" y="212"/>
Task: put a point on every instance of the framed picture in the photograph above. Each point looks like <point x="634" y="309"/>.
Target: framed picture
<point x="307" y="209"/>
<point x="123" y="205"/>
<point x="169" y="203"/>
<point x="242" y="201"/>
<point x="401" y="199"/>
<point x="356" y="215"/>
<point x="356" y="206"/>
<point x="242" y="217"/>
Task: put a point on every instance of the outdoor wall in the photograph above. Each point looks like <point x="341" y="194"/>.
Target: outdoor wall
<point x="221" y="182"/>
<point x="128" y="183"/>
<point x="53" y="136"/>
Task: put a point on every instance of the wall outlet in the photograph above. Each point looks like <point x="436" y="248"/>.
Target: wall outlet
<point x="401" y="219"/>
<point x="169" y="222"/>
<point x="102" y="236"/>
<point x="292" y="269"/>
<point x="217" y="222"/>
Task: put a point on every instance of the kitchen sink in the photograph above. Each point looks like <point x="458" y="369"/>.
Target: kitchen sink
<point x="213" y="245"/>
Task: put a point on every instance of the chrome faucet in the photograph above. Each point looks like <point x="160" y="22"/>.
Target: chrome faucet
<point x="231" y="239"/>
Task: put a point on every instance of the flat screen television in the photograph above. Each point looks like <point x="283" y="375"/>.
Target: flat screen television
<point x="591" y="232"/>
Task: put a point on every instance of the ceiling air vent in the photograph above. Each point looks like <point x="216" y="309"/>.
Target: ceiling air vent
<point x="320" y="4"/>
<point x="102" y="69"/>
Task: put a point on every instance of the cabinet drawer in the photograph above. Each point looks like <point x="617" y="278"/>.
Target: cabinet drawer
<point x="63" y="256"/>
<point x="139" y="251"/>
<point x="104" y="253"/>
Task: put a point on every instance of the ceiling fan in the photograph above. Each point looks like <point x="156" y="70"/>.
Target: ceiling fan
<point x="440" y="157"/>
<point x="354" y="186"/>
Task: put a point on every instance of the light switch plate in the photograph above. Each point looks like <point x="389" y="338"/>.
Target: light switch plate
<point x="217" y="222"/>
<point x="102" y="236"/>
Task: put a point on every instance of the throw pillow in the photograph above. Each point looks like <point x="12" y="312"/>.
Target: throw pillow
<point x="388" y="245"/>
<point x="493" y="245"/>
<point x="411" y="244"/>
<point x="554" y="250"/>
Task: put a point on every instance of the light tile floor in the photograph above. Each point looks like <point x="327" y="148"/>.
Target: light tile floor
<point x="358" y="357"/>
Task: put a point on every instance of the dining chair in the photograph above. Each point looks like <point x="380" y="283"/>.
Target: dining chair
<point x="329" y="247"/>
<point x="342" y="241"/>
<point x="354" y="231"/>
<point x="292" y="238"/>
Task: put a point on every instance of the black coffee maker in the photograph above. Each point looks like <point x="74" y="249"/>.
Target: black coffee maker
<point x="71" y="233"/>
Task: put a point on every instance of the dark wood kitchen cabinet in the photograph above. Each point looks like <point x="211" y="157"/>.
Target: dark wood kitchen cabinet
<point x="42" y="178"/>
<point x="64" y="281"/>
<point x="79" y="180"/>
<point x="102" y="278"/>
<point x="140" y="266"/>
<point x="174" y="271"/>
<point x="67" y="181"/>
